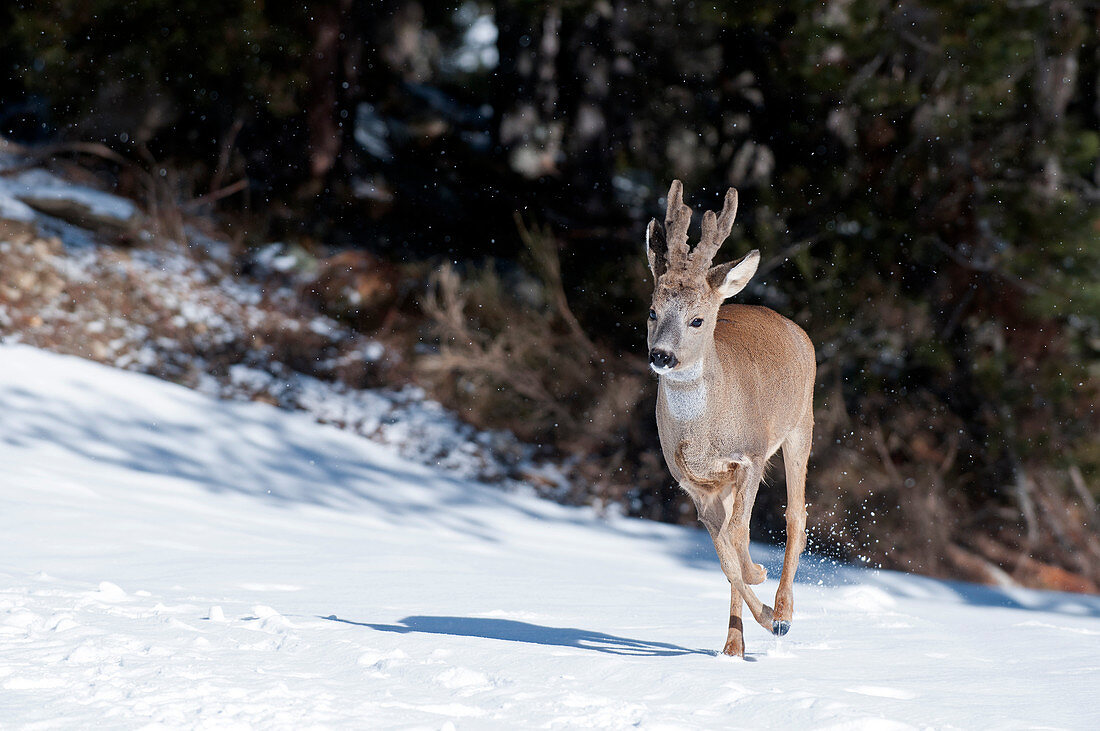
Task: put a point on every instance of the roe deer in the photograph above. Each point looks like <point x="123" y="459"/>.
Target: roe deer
<point x="736" y="384"/>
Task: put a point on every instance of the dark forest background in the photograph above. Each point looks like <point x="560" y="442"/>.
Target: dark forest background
<point x="472" y="183"/>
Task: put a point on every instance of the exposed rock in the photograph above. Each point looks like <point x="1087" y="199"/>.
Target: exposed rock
<point x="77" y="204"/>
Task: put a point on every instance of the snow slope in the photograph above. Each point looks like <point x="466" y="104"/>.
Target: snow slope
<point x="172" y="560"/>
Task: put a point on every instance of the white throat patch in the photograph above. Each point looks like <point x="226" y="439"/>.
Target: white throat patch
<point x="685" y="392"/>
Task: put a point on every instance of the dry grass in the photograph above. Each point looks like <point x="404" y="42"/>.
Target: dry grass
<point x="514" y="356"/>
<point x="893" y="490"/>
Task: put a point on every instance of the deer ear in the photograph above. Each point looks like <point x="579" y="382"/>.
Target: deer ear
<point x="656" y="248"/>
<point x="730" y="278"/>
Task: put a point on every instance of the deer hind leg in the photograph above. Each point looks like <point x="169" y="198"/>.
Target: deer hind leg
<point x="737" y="533"/>
<point x="740" y="475"/>
<point x="796" y="454"/>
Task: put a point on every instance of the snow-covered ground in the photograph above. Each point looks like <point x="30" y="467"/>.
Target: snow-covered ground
<point x="169" y="559"/>
<point x="183" y="311"/>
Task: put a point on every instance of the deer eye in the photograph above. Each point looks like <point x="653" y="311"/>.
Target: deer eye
<point x="652" y="315"/>
<point x="697" y="322"/>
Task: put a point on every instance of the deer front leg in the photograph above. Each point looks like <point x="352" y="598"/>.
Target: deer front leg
<point x="745" y="474"/>
<point x="745" y="493"/>
<point x="754" y="573"/>
<point x="716" y="511"/>
<point x="744" y="496"/>
<point x="735" y="637"/>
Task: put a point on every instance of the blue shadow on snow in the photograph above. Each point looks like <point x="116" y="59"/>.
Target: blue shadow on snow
<point x="512" y="631"/>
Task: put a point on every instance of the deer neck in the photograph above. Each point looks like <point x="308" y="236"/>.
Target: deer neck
<point x="686" y="390"/>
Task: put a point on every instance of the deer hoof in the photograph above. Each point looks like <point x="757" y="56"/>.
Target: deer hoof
<point x="734" y="648"/>
<point x="780" y="627"/>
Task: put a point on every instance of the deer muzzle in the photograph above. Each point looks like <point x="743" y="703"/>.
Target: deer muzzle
<point x="662" y="359"/>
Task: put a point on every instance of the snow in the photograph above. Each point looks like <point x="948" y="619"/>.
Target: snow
<point x="13" y="209"/>
<point x="39" y="188"/>
<point x="186" y="303"/>
<point x="171" y="560"/>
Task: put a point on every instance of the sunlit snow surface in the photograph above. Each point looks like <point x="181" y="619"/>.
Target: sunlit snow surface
<point x="171" y="559"/>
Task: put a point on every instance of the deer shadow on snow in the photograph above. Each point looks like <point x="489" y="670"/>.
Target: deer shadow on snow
<point x="511" y="630"/>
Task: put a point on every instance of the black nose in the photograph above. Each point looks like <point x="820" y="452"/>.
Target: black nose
<point x="662" y="359"/>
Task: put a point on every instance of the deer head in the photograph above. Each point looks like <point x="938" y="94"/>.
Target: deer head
<point x="687" y="290"/>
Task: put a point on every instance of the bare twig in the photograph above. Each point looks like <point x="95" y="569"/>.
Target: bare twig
<point x="781" y="257"/>
<point x="1023" y="487"/>
<point x="990" y="268"/>
<point x="223" y="157"/>
<point x="863" y="76"/>
<point x="216" y="195"/>
<point x="1078" y="481"/>
<point x="543" y="249"/>
<point x="884" y="455"/>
